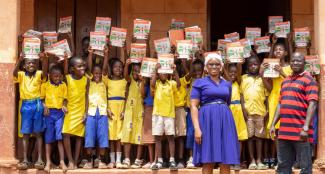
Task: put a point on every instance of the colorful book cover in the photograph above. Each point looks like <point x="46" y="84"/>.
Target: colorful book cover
<point x="49" y="38"/>
<point x="272" y="21"/>
<point x="222" y="44"/>
<point x="97" y="40"/>
<point x="263" y="44"/>
<point x="118" y="36"/>
<point x="247" y="47"/>
<point x="166" y="61"/>
<point x="184" y="48"/>
<point x="177" y="24"/>
<point x="162" y="46"/>
<point x="282" y="29"/>
<point x="195" y="35"/>
<point x="312" y="64"/>
<point x="32" y="33"/>
<point x="65" y="24"/>
<point x="148" y="67"/>
<point x="235" y="52"/>
<point x="60" y="48"/>
<point x="138" y="51"/>
<point x="141" y="28"/>
<point x="175" y="35"/>
<point x="270" y="72"/>
<point x="302" y="36"/>
<point x="234" y="37"/>
<point x="103" y="24"/>
<point x="32" y="47"/>
<point x="252" y="33"/>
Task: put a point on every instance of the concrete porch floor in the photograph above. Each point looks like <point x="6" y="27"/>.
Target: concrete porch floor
<point x="139" y="171"/>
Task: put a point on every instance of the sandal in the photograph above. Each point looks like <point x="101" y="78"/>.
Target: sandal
<point x="156" y="166"/>
<point x="23" y="165"/>
<point x="96" y="163"/>
<point x="101" y="165"/>
<point x="88" y="165"/>
<point x="40" y="165"/>
<point x="252" y="166"/>
<point x="82" y="163"/>
<point x="126" y="164"/>
<point x="261" y="166"/>
<point x="147" y="166"/>
<point x="137" y="164"/>
<point x="111" y="165"/>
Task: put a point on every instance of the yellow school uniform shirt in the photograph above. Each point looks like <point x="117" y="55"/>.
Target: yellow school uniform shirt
<point x="164" y="104"/>
<point x="181" y="93"/>
<point x="73" y="120"/>
<point x="254" y="92"/>
<point x="133" y="117"/>
<point x="115" y="89"/>
<point x="97" y="98"/>
<point x="29" y="86"/>
<point x="54" y="95"/>
<point x="275" y="95"/>
<point x="237" y="112"/>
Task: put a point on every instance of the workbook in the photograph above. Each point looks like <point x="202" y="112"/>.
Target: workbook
<point x="162" y="45"/>
<point x="103" y="24"/>
<point x="118" y="36"/>
<point x="148" y="67"/>
<point x="65" y="25"/>
<point x="138" y="51"/>
<point x="270" y="72"/>
<point x="32" y="47"/>
<point x="166" y="61"/>
<point x="263" y="44"/>
<point x="141" y="28"/>
<point x="301" y="36"/>
<point x="49" y="38"/>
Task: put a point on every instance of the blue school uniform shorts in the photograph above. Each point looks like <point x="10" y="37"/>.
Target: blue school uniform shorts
<point x="96" y="133"/>
<point x="54" y="123"/>
<point x="32" y="120"/>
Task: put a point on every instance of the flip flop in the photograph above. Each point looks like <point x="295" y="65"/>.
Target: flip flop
<point x="40" y="165"/>
<point x="252" y="166"/>
<point x="22" y="165"/>
<point x="261" y="166"/>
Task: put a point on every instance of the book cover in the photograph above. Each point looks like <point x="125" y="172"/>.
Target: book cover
<point x="49" y="38"/>
<point x="247" y="47"/>
<point x="184" y="48"/>
<point x="103" y="24"/>
<point x="138" y="51"/>
<point x="235" y="52"/>
<point x="263" y="44"/>
<point x="65" y="24"/>
<point x="175" y="35"/>
<point x="31" y="47"/>
<point x="282" y="29"/>
<point x="272" y="21"/>
<point x="312" y="64"/>
<point x="162" y="46"/>
<point x="270" y="72"/>
<point x="302" y="36"/>
<point x="166" y="61"/>
<point x="177" y="24"/>
<point x="233" y="37"/>
<point x="97" y="40"/>
<point x="148" y="67"/>
<point x="59" y="48"/>
<point x="118" y="36"/>
<point x="252" y="33"/>
<point x="141" y="28"/>
<point x="32" y="33"/>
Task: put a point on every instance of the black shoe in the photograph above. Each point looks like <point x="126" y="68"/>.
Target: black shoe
<point x="173" y="166"/>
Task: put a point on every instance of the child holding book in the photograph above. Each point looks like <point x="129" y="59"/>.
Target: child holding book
<point x="96" y="131"/>
<point x="163" y="116"/>
<point x="133" y="116"/>
<point x="254" y="101"/>
<point x="73" y="125"/>
<point x="54" y="97"/>
<point x="30" y="80"/>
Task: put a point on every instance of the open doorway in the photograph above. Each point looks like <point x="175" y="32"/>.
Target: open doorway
<point x="225" y="16"/>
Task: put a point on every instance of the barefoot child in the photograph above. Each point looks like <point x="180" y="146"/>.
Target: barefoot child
<point x="73" y="125"/>
<point x="31" y="111"/>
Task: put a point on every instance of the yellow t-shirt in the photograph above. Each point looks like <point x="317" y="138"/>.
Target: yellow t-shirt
<point x="97" y="98"/>
<point x="254" y="92"/>
<point x="54" y="95"/>
<point x="115" y="88"/>
<point x="164" y="104"/>
<point x="181" y="93"/>
<point x="29" y="87"/>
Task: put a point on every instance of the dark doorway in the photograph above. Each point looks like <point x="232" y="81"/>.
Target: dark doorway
<point x="226" y="16"/>
<point x="83" y="12"/>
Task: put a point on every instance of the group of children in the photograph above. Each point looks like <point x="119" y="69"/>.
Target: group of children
<point x="102" y="102"/>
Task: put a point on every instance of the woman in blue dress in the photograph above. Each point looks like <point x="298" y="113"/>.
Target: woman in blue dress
<point x="214" y="127"/>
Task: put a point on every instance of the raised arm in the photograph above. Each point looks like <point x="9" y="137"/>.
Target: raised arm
<point x="66" y="64"/>
<point x="105" y="67"/>
<point x="126" y="71"/>
<point x="143" y="87"/>
<point x="45" y="65"/>
<point x="20" y="60"/>
<point x="73" y="50"/>
<point x="90" y="60"/>
<point x="154" y="77"/>
<point x="176" y="77"/>
<point x="186" y="70"/>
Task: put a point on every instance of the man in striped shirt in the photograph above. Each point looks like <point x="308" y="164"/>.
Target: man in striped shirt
<point x="298" y="102"/>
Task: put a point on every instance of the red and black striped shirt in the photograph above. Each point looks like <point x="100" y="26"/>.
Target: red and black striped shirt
<point x="296" y="92"/>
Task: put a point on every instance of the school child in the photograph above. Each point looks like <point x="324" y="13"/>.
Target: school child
<point x="54" y="97"/>
<point x="116" y="92"/>
<point x="254" y="101"/>
<point x="196" y="70"/>
<point x="234" y="73"/>
<point x="281" y="49"/>
<point x="96" y="133"/>
<point x="30" y="80"/>
<point x="133" y="116"/>
<point x="163" y="116"/>
<point x="73" y="125"/>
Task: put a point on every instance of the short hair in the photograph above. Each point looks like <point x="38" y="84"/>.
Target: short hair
<point x="56" y="68"/>
<point x="198" y="62"/>
<point x="253" y="57"/>
<point x="73" y="60"/>
<point x="232" y="65"/>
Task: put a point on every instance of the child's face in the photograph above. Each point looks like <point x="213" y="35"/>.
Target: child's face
<point x="233" y="73"/>
<point x="279" y="51"/>
<point x="97" y="74"/>
<point x="162" y="77"/>
<point x="56" y="77"/>
<point x="30" y="65"/>
<point x="79" y="68"/>
<point x="117" y="69"/>
<point x="84" y="46"/>
<point x="253" y="66"/>
<point x="135" y="72"/>
<point x="197" y="71"/>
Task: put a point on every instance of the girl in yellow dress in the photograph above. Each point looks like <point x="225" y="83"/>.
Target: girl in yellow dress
<point x="234" y="73"/>
<point x="116" y="92"/>
<point x="133" y="116"/>
<point x="278" y="51"/>
<point x="73" y="124"/>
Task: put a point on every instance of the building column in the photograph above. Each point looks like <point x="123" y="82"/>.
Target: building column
<point x="9" y="20"/>
<point x="319" y="17"/>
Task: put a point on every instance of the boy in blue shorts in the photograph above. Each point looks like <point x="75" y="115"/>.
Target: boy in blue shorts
<point x="30" y="80"/>
<point x="54" y="97"/>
